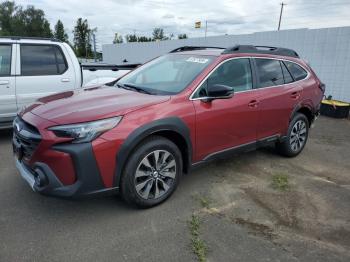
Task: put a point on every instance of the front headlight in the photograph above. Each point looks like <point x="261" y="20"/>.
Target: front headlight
<point x="85" y="132"/>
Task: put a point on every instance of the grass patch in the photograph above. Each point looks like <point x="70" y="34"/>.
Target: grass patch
<point x="204" y="201"/>
<point x="280" y="182"/>
<point x="198" y="245"/>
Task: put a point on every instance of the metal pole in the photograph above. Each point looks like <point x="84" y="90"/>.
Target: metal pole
<point x="206" y="28"/>
<point x="279" y="22"/>
<point x="86" y="47"/>
<point x="94" y="39"/>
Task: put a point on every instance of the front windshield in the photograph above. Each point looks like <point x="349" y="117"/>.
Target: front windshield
<point x="165" y="75"/>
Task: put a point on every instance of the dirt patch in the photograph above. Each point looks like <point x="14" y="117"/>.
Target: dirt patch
<point x="282" y="206"/>
<point x="256" y="228"/>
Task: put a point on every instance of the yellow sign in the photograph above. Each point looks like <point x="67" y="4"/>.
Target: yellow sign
<point x="197" y="24"/>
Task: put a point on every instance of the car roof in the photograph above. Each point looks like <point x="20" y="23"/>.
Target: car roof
<point x="237" y="49"/>
<point x="207" y="52"/>
<point x="24" y="39"/>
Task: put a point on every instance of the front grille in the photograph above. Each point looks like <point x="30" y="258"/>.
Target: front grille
<point x="27" y="136"/>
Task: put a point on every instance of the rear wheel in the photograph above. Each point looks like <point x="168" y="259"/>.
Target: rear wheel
<point x="297" y="136"/>
<point x="152" y="172"/>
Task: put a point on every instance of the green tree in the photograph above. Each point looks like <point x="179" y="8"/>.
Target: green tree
<point x="7" y="17"/>
<point x="59" y="32"/>
<point x="81" y="39"/>
<point x="182" y="36"/>
<point x="118" y="39"/>
<point x="158" y="34"/>
<point x="135" y="38"/>
<point x="131" y="38"/>
<point x="34" y="22"/>
<point x="14" y="20"/>
<point x="144" y="39"/>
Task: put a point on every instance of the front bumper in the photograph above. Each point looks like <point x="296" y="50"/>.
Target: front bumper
<point x="42" y="179"/>
<point x="25" y="173"/>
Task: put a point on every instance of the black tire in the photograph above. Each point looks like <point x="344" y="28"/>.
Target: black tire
<point x="130" y="182"/>
<point x="287" y="147"/>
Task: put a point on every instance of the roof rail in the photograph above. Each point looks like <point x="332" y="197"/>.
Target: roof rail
<point x="191" y="48"/>
<point x="261" y="50"/>
<point x="31" y="38"/>
<point x="113" y="67"/>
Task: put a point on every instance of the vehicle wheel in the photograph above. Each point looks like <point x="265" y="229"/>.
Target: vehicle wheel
<point x="152" y="172"/>
<point x="298" y="133"/>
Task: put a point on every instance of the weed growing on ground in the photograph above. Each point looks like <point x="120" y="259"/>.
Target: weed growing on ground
<point x="203" y="200"/>
<point x="198" y="245"/>
<point x="280" y="182"/>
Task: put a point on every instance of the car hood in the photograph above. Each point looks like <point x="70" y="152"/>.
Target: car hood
<point x="90" y="104"/>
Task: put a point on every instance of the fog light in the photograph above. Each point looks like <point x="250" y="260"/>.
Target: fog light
<point x="40" y="178"/>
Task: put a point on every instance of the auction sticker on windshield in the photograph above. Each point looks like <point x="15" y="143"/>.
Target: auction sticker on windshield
<point x="197" y="60"/>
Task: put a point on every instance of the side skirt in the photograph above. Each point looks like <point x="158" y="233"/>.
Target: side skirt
<point x="223" y="154"/>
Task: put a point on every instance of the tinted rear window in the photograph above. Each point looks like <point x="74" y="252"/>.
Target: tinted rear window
<point x="5" y="60"/>
<point x="270" y="72"/>
<point x="287" y="76"/>
<point x="297" y="71"/>
<point x="42" y="60"/>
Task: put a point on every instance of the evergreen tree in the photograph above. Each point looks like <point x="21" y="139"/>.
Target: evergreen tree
<point x="182" y="36"/>
<point x="158" y="34"/>
<point x="81" y="39"/>
<point x="118" y="39"/>
<point x="60" y="32"/>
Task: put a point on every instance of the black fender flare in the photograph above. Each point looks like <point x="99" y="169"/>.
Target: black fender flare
<point x="302" y="104"/>
<point x="173" y="124"/>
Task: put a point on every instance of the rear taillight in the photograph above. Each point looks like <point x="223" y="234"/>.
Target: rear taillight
<point x="322" y="86"/>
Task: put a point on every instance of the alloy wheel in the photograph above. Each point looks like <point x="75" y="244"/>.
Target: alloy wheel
<point x="298" y="135"/>
<point x="155" y="174"/>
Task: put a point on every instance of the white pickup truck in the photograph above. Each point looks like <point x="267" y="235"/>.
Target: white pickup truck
<point x="31" y="68"/>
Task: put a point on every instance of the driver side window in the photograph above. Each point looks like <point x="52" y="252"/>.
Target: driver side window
<point x="235" y="73"/>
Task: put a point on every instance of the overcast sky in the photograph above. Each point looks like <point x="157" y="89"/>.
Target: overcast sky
<point x="179" y="16"/>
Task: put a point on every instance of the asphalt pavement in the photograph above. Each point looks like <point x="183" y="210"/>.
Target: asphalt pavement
<point x="241" y="217"/>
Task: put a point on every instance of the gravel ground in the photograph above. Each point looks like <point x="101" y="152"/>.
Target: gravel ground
<point x="256" y="206"/>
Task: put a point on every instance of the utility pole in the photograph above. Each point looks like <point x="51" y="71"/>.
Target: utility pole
<point x="87" y="46"/>
<point x="94" y="39"/>
<point x="206" y="28"/>
<point x="279" y="22"/>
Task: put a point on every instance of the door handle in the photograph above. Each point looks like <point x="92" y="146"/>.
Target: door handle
<point x="65" y="80"/>
<point x="4" y="82"/>
<point x="253" y="103"/>
<point x="295" y="95"/>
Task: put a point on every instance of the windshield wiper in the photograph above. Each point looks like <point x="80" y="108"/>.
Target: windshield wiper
<point x="129" y="86"/>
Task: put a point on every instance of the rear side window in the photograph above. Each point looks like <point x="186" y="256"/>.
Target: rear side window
<point x="5" y="60"/>
<point x="270" y="72"/>
<point x="287" y="76"/>
<point x="297" y="71"/>
<point x="42" y="60"/>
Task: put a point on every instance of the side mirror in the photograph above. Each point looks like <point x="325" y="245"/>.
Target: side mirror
<point x="218" y="91"/>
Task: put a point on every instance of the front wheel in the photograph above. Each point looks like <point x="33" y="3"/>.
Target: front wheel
<point x="152" y="172"/>
<point x="297" y="136"/>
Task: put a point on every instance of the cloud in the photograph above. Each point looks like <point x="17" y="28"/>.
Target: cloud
<point x="178" y="16"/>
<point x="168" y="16"/>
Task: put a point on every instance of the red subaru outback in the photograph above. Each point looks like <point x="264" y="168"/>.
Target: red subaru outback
<point x="179" y="110"/>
